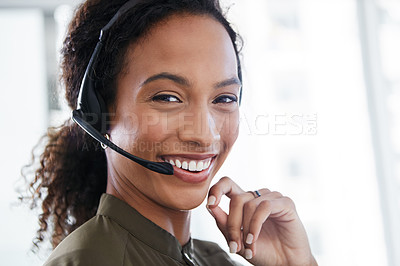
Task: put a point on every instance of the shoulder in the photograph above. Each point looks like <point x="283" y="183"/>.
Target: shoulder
<point x="97" y="242"/>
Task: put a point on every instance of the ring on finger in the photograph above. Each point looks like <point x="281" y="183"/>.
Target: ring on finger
<point x="255" y="193"/>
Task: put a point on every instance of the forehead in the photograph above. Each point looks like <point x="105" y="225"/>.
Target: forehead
<point x="191" y="45"/>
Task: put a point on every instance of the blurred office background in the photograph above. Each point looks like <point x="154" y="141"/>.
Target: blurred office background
<point x="320" y="118"/>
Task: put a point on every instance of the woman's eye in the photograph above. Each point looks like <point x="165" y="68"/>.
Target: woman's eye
<point x="166" y="98"/>
<point x="225" y="99"/>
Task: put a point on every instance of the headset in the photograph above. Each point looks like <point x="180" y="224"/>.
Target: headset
<point x="91" y="107"/>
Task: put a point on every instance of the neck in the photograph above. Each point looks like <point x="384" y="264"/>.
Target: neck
<point x="176" y="222"/>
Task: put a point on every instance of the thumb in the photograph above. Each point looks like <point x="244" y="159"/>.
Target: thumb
<point x="221" y="219"/>
<point x="220" y="216"/>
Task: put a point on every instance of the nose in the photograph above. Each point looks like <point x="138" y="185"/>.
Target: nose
<point x="198" y="127"/>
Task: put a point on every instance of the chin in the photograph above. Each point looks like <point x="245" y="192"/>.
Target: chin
<point x="188" y="207"/>
<point x="189" y="201"/>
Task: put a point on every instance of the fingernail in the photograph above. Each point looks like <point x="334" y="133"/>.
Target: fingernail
<point x="233" y="247"/>
<point x="248" y="254"/>
<point x="249" y="239"/>
<point x="211" y="200"/>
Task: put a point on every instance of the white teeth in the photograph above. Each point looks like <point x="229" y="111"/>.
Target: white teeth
<point x="200" y="166"/>
<point x="192" y="166"/>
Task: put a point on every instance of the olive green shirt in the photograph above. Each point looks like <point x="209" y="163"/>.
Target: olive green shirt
<point x="119" y="235"/>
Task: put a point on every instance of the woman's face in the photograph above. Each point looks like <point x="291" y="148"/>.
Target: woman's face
<point x="177" y="100"/>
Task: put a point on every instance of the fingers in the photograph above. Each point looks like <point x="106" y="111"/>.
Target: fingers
<point x="247" y="214"/>
<point x="221" y="219"/>
<point x="225" y="186"/>
<point x="255" y="214"/>
<point x="235" y="222"/>
<point x="230" y="225"/>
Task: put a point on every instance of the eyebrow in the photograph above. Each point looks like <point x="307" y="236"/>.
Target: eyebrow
<point x="185" y="82"/>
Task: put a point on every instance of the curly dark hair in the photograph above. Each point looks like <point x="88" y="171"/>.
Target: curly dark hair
<point x="72" y="173"/>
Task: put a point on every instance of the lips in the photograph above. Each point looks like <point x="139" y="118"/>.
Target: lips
<point x="191" y="168"/>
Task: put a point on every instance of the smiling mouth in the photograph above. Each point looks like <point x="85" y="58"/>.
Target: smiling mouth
<point x="190" y="165"/>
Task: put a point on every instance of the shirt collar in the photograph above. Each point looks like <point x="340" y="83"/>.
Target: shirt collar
<point x="142" y="228"/>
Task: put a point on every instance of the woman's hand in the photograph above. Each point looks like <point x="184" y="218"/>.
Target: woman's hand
<point x="265" y="230"/>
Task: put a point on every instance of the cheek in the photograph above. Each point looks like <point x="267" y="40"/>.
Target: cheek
<point x="136" y="130"/>
<point x="154" y="128"/>
<point x="228" y="127"/>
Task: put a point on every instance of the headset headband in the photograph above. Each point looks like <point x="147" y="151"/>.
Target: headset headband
<point x="91" y="107"/>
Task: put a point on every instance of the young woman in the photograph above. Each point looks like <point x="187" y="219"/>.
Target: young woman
<point x="169" y="74"/>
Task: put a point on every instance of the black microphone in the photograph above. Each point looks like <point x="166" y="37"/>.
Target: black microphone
<point x="90" y="102"/>
<point x="159" y="167"/>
